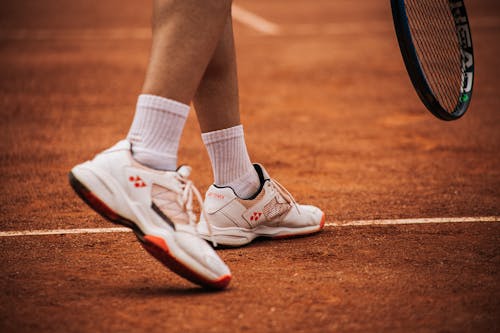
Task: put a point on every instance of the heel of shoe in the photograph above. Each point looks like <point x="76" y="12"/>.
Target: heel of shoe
<point x="99" y="206"/>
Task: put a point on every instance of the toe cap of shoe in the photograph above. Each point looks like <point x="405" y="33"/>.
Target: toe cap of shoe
<point x="202" y="253"/>
<point x="306" y="215"/>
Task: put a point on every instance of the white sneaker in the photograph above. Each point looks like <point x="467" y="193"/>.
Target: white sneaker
<point x="271" y="213"/>
<point x="157" y="206"/>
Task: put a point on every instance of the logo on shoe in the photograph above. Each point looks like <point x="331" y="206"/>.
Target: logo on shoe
<point x="138" y="182"/>
<point x="215" y="195"/>
<point x="255" y="216"/>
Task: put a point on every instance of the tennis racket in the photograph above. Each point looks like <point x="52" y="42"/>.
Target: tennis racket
<point x="436" y="45"/>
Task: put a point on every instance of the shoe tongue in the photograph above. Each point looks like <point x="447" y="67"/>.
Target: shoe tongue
<point x="184" y="171"/>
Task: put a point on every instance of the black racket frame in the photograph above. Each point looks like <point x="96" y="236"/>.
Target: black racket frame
<point x="414" y="67"/>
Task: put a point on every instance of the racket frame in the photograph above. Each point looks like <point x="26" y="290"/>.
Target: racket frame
<point x="414" y="67"/>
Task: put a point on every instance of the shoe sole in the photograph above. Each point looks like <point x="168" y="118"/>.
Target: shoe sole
<point x="236" y="237"/>
<point x="154" y="245"/>
<point x="300" y="234"/>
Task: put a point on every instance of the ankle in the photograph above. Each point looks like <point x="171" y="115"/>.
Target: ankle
<point x="246" y="186"/>
<point x="154" y="160"/>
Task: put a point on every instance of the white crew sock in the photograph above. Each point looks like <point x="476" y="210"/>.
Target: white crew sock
<point x="156" y="131"/>
<point x="230" y="161"/>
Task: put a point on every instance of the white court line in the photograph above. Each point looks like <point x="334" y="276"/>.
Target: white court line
<point x="62" y="232"/>
<point x="329" y="224"/>
<point x="241" y="15"/>
<point x="415" y="221"/>
<point x="254" y="21"/>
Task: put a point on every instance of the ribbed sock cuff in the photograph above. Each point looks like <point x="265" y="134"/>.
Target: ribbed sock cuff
<point x="223" y="134"/>
<point x="162" y="104"/>
<point x="231" y="164"/>
<point x="156" y="131"/>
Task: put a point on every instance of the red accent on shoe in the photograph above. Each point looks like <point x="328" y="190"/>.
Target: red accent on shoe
<point x="138" y="182"/>
<point x="255" y="216"/>
<point x="322" y="223"/>
<point x="157" y="247"/>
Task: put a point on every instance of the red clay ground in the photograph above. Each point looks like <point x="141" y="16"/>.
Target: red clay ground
<point x="327" y="107"/>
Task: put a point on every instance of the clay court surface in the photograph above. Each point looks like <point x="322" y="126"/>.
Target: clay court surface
<point x="327" y="107"/>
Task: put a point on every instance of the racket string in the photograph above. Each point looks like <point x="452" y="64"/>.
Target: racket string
<point x="438" y="71"/>
<point x="434" y="35"/>
<point x="448" y="69"/>
<point x="442" y="69"/>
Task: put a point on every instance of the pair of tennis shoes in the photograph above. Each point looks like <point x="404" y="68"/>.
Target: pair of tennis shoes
<point x="158" y="207"/>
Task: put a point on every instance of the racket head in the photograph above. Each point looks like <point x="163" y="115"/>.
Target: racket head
<point x="424" y="73"/>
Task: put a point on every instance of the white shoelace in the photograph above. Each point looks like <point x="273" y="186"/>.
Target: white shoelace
<point x="187" y="203"/>
<point x="285" y="194"/>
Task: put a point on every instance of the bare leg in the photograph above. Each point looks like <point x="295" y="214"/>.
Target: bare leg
<point x="185" y="35"/>
<point x="216" y="100"/>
